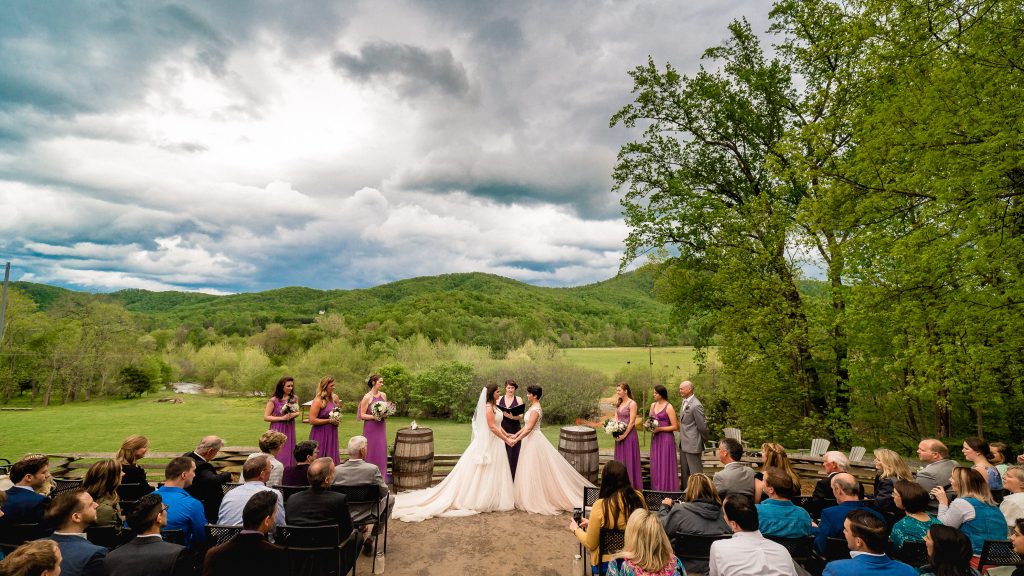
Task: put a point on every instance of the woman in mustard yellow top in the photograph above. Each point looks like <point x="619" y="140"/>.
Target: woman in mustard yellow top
<point x="616" y="501"/>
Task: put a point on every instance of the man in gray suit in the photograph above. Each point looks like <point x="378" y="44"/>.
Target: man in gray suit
<point x="357" y="471"/>
<point x="937" y="467"/>
<point x="735" y="478"/>
<point x="693" y="432"/>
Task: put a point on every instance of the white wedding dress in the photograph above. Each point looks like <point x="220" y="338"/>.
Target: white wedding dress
<point x="481" y="481"/>
<point x="545" y="482"/>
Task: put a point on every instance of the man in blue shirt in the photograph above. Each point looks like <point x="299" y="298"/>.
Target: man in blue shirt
<point x="866" y="536"/>
<point x="255" y="472"/>
<point x="847" y="492"/>
<point x="184" y="512"/>
<point x="778" y="516"/>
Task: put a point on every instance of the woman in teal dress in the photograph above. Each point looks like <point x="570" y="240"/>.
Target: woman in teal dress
<point x="913" y="500"/>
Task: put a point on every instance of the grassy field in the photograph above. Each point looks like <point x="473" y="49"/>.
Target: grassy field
<point x="674" y="360"/>
<point x="101" y="425"/>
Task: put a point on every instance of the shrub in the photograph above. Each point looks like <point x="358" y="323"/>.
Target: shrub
<point x="135" y="382"/>
<point x="445" y="391"/>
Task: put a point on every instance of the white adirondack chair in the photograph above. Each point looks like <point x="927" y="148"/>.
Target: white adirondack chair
<point x="819" y="446"/>
<point x="857" y="453"/>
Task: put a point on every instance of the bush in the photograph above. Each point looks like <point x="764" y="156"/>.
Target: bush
<point x="398" y="382"/>
<point x="135" y="382"/>
<point x="445" y="391"/>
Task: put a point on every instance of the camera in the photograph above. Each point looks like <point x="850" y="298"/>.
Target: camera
<point x="577" y="515"/>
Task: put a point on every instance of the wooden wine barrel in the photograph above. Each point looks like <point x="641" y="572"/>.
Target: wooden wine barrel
<point x="578" y="445"/>
<point x="413" y="459"/>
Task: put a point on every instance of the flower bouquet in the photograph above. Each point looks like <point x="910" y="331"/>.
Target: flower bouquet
<point x="334" y="416"/>
<point x="381" y="410"/>
<point x="287" y="409"/>
<point x="650" y="424"/>
<point x="614" y="427"/>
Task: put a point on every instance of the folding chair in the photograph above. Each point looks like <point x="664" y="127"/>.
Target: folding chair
<point x="217" y="534"/>
<point x="694" y="547"/>
<point x="108" y="536"/>
<point x="369" y="495"/>
<point x="62" y="485"/>
<point x="610" y="541"/>
<point x="589" y="497"/>
<point x="800" y="548"/>
<point x="653" y="498"/>
<point x="289" y="491"/>
<point x="911" y="552"/>
<point x="998" y="553"/>
<point x="229" y="486"/>
<point x="173" y="536"/>
<point x="317" y="551"/>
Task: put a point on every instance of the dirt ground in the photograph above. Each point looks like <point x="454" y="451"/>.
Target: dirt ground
<point x="502" y="543"/>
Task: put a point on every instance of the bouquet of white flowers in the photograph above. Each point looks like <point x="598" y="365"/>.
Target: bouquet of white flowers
<point x="650" y="424"/>
<point x="287" y="409"/>
<point x="334" y="415"/>
<point x="614" y="427"/>
<point x="381" y="410"/>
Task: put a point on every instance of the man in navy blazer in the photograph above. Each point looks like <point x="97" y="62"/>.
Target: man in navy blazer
<point x="25" y="505"/>
<point x="867" y="537"/>
<point x="846" y="490"/>
<point x="70" y="514"/>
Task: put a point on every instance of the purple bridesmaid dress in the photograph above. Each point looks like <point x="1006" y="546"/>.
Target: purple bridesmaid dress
<point x="287" y="427"/>
<point x="376" y="440"/>
<point x="326" y="434"/>
<point x="664" y="471"/>
<point x="628" y="450"/>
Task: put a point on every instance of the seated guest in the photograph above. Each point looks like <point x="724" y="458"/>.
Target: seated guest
<point x="937" y="468"/>
<point x="36" y="558"/>
<point x="255" y="472"/>
<point x="357" y="471"/>
<point x="774" y="456"/>
<point x="699" y="513"/>
<point x="747" y="553"/>
<point x="616" y="500"/>
<point x="866" y="538"/>
<point x="101" y="482"/>
<point x="184" y="512"/>
<point x="1017" y="539"/>
<point x="70" y="514"/>
<point x="777" y="514"/>
<point x="305" y="453"/>
<point x="1001" y="457"/>
<point x="249" y="552"/>
<point x="846" y="490"/>
<point x="1012" y="505"/>
<point x="833" y="462"/>
<point x="979" y="453"/>
<point x="735" y="478"/>
<point x="270" y="444"/>
<point x="949" y="553"/>
<point x="135" y="484"/>
<point x="318" y="505"/>
<point x="913" y="501"/>
<point x="207" y="487"/>
<point x="647" y="551"/>
<point x="973" y="512"/>
<point x="891" y="468"/>
<point x="147" y="554"/>
<point x="25" y="504"/>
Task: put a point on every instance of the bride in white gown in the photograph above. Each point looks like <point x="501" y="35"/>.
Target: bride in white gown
<point x="545" y="482"/>
<point x="481" y="481"/>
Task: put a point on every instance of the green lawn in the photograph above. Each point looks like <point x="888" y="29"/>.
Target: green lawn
<point x="101" y="425"/>
<point x="675" y="360"/>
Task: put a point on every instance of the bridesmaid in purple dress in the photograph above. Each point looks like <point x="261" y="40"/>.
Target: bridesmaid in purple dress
<point x="664" y="473"/>
<point x="325" y="430"/>
<point x="627" y="444"/>
<point x="374" y="429"/>
<point x="284" y="395"/>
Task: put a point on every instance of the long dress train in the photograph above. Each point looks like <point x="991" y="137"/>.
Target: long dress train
<point x="545" y="482"/>
<point x="480" y="482"/>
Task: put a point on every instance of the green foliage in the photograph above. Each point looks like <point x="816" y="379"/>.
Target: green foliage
<point x="445" y="391"/>
<point x="398" y="384"/>
<point x="134" y="381"/>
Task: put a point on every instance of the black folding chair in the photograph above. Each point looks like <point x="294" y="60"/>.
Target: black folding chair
<point x="695" y="547"/>
<point x="229" y="486"/>
<point x="610" y="541"/>
<point x="18" y="534"/>
<point x="998" y="553"/>
<point x="109" y="537"/>
<point x="653" y="498"/>
<point x="175" y="536"/>
<point x="62" y="485"/>
<point x="217" y="534"/>
<point x="317" y="551"/>
<point x="368" y="495"/>
<point x="5" y="467"/>
<point x="911" y="552"/>
<point x="132" y="491"/>
<point x="800" y="548"/>
<point x="289" y="491"/>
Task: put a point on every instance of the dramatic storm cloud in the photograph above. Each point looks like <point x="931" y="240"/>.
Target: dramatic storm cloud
<point x="229" y="147"/>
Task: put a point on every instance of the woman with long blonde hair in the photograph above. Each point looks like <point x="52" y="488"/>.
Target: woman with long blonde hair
<point x="647" y="550"/>
<point x="134" y="483"/>
<point x="101" y="482"/>
<point x="324" y="424"/>
<point x="973" y="512"/>
<point x="774" y="455"/>
<point x="891" y="468"/>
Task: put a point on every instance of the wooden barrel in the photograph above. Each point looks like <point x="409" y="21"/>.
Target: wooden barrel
<point x="413" y="460"/>
<point x="578" y="445"/>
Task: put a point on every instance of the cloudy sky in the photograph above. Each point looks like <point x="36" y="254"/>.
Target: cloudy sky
<point x="241" y="146"/>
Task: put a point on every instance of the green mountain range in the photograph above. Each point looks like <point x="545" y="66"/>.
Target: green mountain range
<point x="474" y="308"/>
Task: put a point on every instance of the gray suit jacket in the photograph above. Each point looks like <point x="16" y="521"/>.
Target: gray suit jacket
<point x="935" y="474"/>
<point x="735" y="478"/>
<point x="693" y="429"/>
<point x="356" y="472"/>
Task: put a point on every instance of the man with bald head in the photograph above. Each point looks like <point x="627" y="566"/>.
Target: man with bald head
<point x="693" y="432"/>
<point x="846" y="489"/>
<point x="207" y="485"/>
<point x="318" y="505"/>
<point x="936" y="470"/>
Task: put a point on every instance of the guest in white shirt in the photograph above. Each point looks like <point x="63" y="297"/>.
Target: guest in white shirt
<point x="270" y="444"/>
<point x="255" y="472"/>
<point x="1013" y="504"/>
<point x="747" y="553"/>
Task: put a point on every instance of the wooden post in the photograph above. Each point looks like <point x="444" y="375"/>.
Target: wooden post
<point x="3" y="302"/>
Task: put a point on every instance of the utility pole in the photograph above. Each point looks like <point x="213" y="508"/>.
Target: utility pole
<point x="3" y="302"/>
